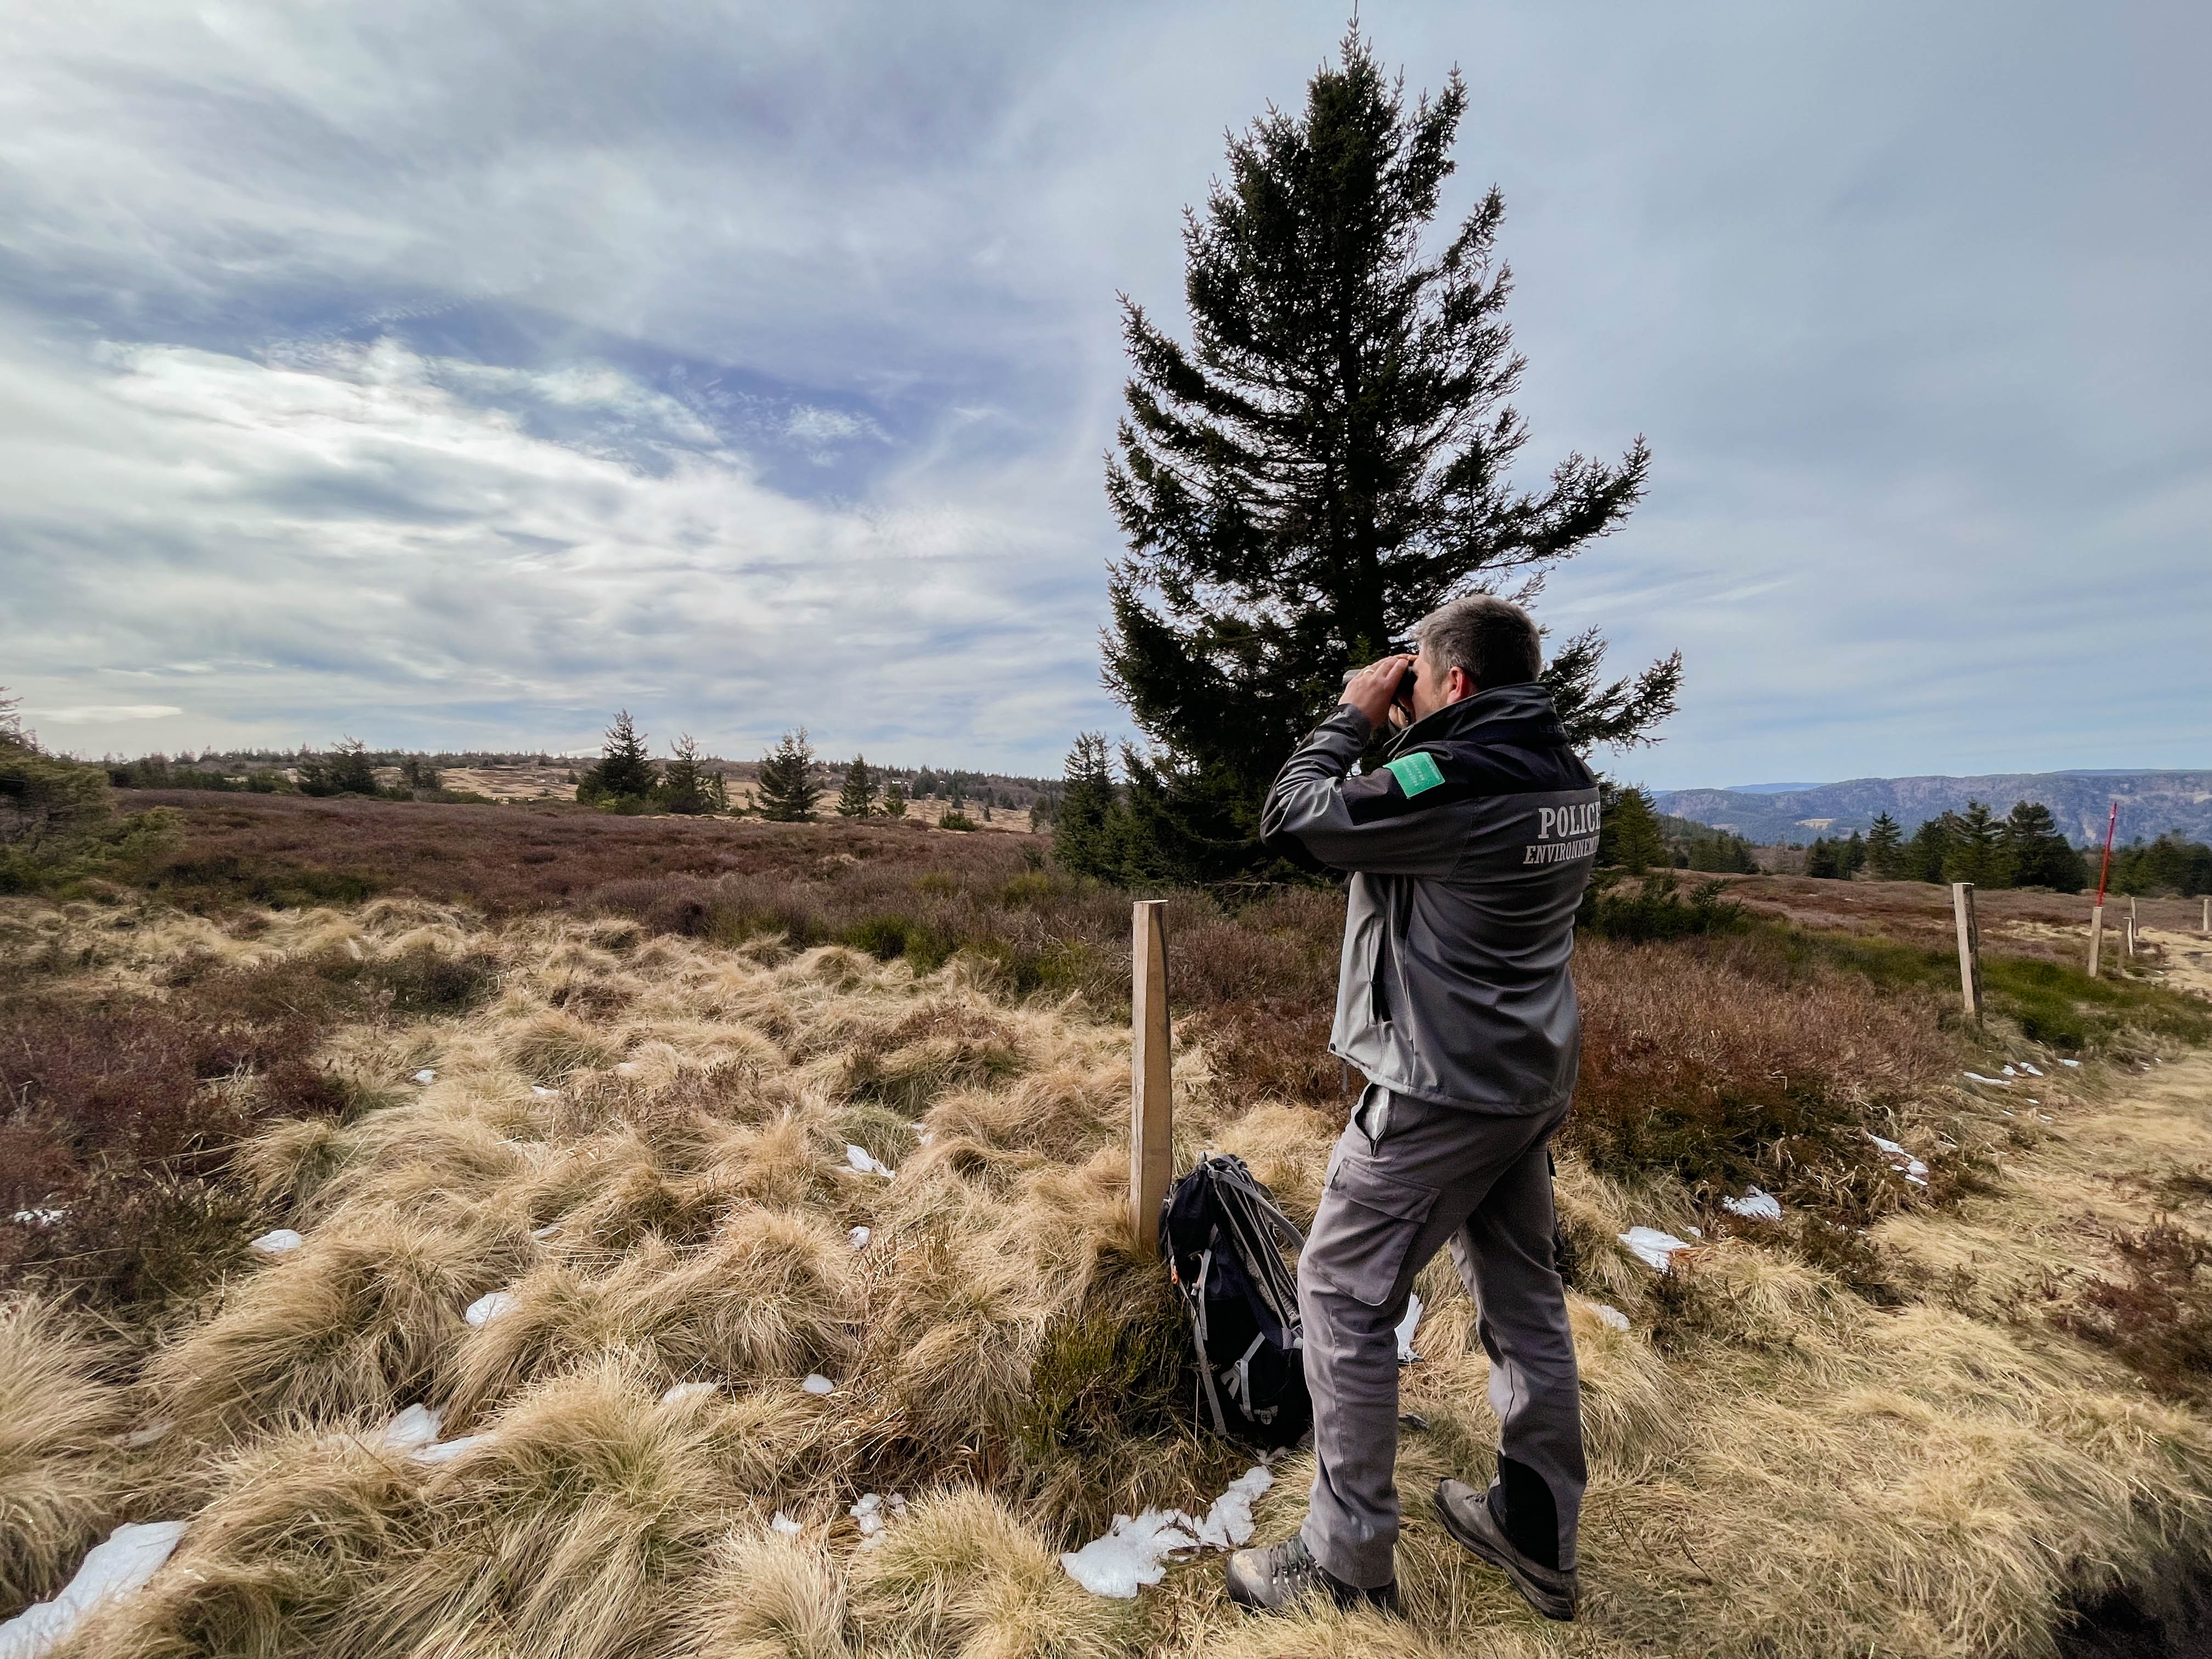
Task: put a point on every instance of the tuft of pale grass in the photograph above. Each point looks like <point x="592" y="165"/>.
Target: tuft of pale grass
<point x="61" y="1478"/>
<point x="766" y="1596"/>
<point x="356" y="1322"/>
<point x="283" y="1559"/>
<point x="962" y="1576"/>
<point x="772" y="1295"/>
<point x="575" y="1527"/>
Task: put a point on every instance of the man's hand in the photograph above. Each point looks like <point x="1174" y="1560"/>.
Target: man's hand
<point x="1374" y="687"/>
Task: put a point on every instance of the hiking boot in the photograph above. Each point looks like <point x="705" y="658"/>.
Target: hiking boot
<point x="1278" y="1578"/>
<point x="1467" y="1516"/>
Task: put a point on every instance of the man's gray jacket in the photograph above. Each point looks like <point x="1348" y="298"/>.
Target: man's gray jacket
<point x="1469" y="849"/>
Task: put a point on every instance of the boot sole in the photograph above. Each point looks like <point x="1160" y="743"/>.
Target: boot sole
<point x="1548" y="1603"/>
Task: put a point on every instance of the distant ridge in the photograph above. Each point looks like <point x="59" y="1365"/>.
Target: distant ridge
<point x="2151" y="803"/>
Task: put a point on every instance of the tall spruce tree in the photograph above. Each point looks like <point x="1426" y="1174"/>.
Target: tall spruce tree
<point x="1085" y="838"/>
<point x="1977" y="852"/>
<point x="1629" y="834"/>
<point x="624" y="770"/>
<point x="857" y="800"/>
<point x="687" y="786"/>
<point x="1885" y="846"/>
<point x="2040" y="856"/>
<point x="1330" y="459"/>
<point x="787" y="789"/>
<point x="893" y="805"/>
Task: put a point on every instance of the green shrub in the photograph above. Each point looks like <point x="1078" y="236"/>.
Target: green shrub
<point x="1656" y="910"/>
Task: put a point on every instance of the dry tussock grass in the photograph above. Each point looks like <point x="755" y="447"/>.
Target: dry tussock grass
<point x="643" y="1139"/>
<point x="61" y="1481"/>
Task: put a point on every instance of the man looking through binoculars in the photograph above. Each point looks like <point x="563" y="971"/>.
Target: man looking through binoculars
<point x="1468" y="850"/>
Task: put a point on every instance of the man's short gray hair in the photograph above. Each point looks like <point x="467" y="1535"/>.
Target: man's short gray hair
<point x="1492" y="641"/>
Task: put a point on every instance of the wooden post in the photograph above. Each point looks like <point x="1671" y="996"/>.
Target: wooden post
<point x="1152" y="1115"/>
<point x="2131" y="931"/>
<point x="1970" y="947"/>
<point x="2206" y="925"/>
<point x="2096" y="937"/>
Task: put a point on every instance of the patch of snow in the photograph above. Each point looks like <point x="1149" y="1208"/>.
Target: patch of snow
<point x="1132" y="1552"/>
<point x="1995" y="1082"/>
<point x="818" y="1384"/>
<point x="1695" y="1232"/>
<point x="38" y="1218"/>
<point x="684" y="1391"/>
<point x="1754" y="1206"/>
<point x="1228" y="1524"/>
<point x="490" y="1306"/>
<point x="147" y="1436"/>
<point x="541" y="1091"/>
<point x="413" y="1429"/>
<point x="131" y="1554"/>
<point x="444" y="1451"/>
<point x="1912" y="1169"/>
<point x="868" y="1515"/>
<point x="1136" y="1552"/>
<point x="864" y="1162"/>
<point x="784" y="1524"/>
<point x="2008" y="1071"/>
<point x="1407" y="1326"/>
<point x="1651" y="1247"/>
<point x="426" y="1075"/>
<point x="1611" y="1315"/>
<point x="2075" y="1064"/>
<point x="545" y="1232"/>
<point x="277" y="1242"/>
<point x="2029" y="1069"/>
<point x="860" y="1239"/>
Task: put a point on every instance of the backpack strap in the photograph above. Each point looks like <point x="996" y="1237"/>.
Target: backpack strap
<point x="1263" y="1201"/>
<point x="1195" y="1295"/>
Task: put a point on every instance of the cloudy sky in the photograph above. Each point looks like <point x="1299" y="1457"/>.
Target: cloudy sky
<point x="451" y="374"/>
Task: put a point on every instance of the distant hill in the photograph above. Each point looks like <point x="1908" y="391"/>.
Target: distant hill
<point x="2151" y="803"/>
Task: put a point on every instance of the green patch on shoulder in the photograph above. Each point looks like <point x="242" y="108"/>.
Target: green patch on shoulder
<point x="1415" y="772"/>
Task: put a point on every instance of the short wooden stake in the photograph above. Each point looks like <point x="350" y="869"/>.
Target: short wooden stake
<point x="2132" y="935"/>
<point x="1970" y="947"/>
<point x="1151" y="1112"/>
<point x="2206" y="925"/>
<point x="2096" y="937"/>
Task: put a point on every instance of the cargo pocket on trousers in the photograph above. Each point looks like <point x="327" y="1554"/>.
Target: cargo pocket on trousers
<point x="1367" y="1224"/>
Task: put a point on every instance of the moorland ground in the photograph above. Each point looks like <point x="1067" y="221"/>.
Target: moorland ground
<point x="615" y="1068"/>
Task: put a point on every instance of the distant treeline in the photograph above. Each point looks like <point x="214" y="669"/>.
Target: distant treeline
<point x="2025" y="849"/>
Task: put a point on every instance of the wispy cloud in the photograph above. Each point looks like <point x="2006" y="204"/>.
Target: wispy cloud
<point x="454" y="373"/>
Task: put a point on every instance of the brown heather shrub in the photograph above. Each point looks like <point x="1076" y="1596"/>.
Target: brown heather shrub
<point x="2157" y="1315"/>
<point x="1699" y="1060"/>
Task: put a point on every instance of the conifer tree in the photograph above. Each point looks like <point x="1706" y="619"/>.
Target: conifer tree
<point x="893" y="805"/>
<point x="1330" y="459"/>
<point x="1628" y="830"/>
<point x="2039" y="855"/>
<point x="1885" y="848"/>
<point x="858" y="797"/>
<point x="351" y="771"/>
<point x="624" y="770"/>
<point x="1977" y="852"/>
<point x="787" y="789"/>
<point x="1084" y="834"/>
<point x="1930" y="849"/>
<point x="687" y="786"/>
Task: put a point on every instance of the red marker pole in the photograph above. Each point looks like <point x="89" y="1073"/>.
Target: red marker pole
<point x="2097" y="915"/>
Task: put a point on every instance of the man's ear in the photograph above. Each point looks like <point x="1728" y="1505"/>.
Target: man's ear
<point x="1462" y="684"/>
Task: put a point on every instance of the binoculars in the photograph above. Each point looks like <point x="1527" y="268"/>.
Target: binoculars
<point x="1396" y="648"/>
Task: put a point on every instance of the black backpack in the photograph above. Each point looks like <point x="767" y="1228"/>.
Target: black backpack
<point x="1218" y="1230"/>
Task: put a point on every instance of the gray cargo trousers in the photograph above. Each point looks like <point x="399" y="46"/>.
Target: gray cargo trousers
<point x="1407" y="1176"/>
